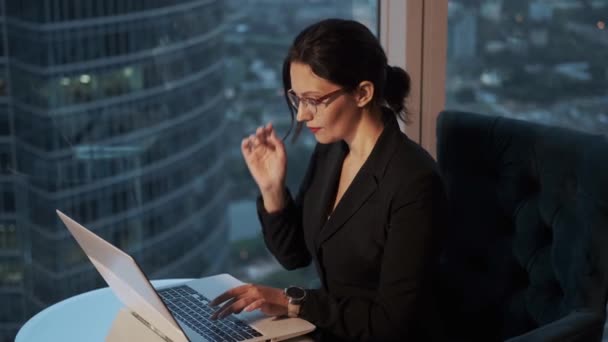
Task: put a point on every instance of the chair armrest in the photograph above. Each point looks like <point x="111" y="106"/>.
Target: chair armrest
<point x="578" y="326"/>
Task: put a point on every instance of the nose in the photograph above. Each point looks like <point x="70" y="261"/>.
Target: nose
<point x="304" y="114"/>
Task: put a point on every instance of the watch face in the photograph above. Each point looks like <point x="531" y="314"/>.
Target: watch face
<point x="295" y="292"/>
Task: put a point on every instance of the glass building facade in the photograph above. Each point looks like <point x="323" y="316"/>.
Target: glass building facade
<point x="128" y="115"/>
<point x="111" y="111"/>
<point x="11" y="261"/>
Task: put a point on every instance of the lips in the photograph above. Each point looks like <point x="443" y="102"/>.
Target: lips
<point x="314" y="129"/>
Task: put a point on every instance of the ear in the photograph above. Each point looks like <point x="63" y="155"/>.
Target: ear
<point x="364" y="93"/>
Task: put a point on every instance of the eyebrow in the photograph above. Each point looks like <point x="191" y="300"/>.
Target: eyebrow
<point x="309" y="93"/>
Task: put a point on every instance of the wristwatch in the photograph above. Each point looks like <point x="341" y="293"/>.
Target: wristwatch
<point x="296" y="296"/>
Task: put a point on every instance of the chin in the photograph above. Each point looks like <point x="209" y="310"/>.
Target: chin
<point x="325" y="140"/>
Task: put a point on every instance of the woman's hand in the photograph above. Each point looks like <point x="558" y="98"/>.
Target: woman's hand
<point x="266" y="159"/>
<point x="249" y="297"/>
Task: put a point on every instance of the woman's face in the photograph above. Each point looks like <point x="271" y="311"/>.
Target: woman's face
<point x="335" y="118"/>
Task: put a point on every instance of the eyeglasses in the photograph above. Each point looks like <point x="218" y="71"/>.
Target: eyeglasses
<point x="310" y="103"/>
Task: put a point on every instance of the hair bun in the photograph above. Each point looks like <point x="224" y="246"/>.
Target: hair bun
<point x="397" y="88"/>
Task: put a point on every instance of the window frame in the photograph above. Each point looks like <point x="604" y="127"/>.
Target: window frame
<point x="414" y="36"/>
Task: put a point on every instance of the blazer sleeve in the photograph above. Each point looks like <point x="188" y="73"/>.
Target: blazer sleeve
<point x="411" y="248"/>
<point x="283" y="231"/>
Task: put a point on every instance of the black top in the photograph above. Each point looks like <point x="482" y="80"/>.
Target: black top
<point x="376" y="252"/>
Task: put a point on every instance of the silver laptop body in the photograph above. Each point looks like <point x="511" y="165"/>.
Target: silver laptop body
<point x="170" y="318"/>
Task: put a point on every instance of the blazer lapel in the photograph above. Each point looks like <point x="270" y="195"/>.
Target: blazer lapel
<point x="362" y="187"/>
<point x="326" y="187"/>
<point x="364" y="184"/>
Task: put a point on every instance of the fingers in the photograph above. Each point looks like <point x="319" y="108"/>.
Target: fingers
<point x="248" y="298"/>
<point x="236" y="300"/>
<point x="254" y="305"/>
<point x="263" y="136"/>
<point x="247" y="145"/>
<point x="233" y="292"/>
<point x="272" y="137"/>
<point x="223" y="310"/>
<point x="232" y="307"/>
<point x="245" y="148"/>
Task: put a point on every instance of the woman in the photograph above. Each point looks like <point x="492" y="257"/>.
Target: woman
<point x="369" y="209"/>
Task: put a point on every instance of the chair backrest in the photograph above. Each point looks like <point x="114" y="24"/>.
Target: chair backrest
<point x="528" y="228"/>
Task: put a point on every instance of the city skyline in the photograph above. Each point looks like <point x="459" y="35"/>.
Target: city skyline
<point x="127" y="115"/>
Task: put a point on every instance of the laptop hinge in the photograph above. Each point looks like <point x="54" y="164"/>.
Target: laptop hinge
<point x="151" y="327"/>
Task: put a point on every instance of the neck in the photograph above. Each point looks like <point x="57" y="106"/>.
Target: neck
<point x="366" y="133"/>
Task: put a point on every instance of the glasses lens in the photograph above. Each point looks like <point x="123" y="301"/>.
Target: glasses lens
<point x="295" y="101"/>
<point x="312" y="106"/>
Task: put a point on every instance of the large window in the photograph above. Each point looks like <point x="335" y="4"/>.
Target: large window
<point x="128" y="115"/>
<point x="537" y="60"/>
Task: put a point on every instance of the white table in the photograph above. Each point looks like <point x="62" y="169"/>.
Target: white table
<point x="85" y="317"/>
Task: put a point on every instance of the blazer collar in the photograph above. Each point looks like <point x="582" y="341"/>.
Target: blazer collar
<point x="384" y="149"/>
<point x="363" y="185"/>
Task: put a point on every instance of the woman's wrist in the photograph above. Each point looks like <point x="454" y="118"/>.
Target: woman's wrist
<point x="274" y="199"/>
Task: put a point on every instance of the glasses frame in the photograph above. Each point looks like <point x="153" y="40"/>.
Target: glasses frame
<point x="311" y="103"/>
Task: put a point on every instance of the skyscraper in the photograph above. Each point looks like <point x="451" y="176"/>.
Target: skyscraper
<point x="11" y="272"/>
<point x="111" y="111"/>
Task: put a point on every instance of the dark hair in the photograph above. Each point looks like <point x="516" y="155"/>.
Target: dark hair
<point x="346" y="53"/>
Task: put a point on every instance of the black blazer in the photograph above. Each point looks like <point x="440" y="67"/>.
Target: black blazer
<point x="375" y="253"/>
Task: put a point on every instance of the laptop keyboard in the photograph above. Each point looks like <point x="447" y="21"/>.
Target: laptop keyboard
<point x="192" y="308"/>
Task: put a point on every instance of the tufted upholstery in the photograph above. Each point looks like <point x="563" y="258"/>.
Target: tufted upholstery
<point x="526" y="254"/>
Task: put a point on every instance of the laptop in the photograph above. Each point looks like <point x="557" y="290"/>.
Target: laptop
<point x="180" y="312"/>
